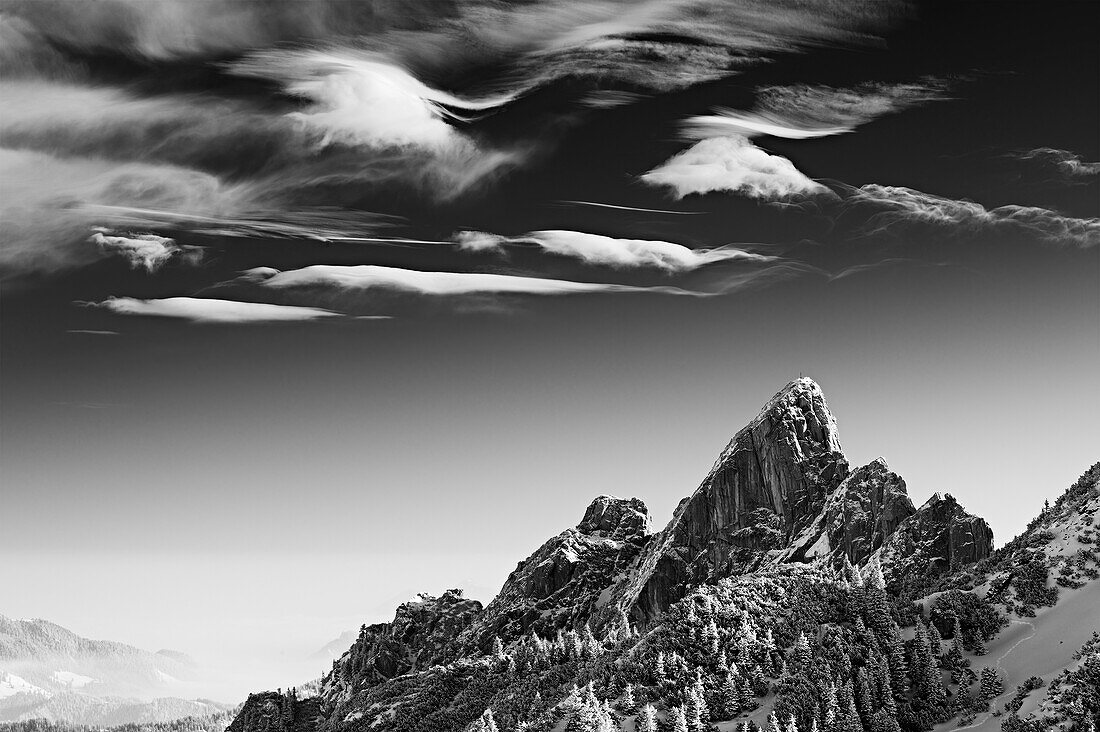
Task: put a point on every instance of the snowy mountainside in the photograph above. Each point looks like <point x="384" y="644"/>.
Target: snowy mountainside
<point x="48" y="672"/>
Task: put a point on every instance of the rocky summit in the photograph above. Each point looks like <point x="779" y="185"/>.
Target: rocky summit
<point x="778" y="591"/>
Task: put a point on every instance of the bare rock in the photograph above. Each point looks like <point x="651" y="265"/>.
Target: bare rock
<point x="565" y="582"/>
<point x="768" y="485"/>
<point x="938" y="538"/>
<point x="857" y="517"/>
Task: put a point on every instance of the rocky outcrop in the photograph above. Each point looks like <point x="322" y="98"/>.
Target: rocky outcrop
<point x="569" y="577"/>
<point x="857" y="517"/>
<point x="423" y="633"/>
<point x="768" y="485"/>
<point x="939" y="537"/>
<point x="272" y="711"/>
<point x="615" y="518"/>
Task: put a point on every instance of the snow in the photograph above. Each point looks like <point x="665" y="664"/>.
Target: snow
<point x="1039" y="646"/>
<point x="71" y="679"/>
<point x="10" y="685"/>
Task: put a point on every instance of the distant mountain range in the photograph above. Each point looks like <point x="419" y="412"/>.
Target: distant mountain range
<point x="789" y="591"/>
<point x="49" y="672"/>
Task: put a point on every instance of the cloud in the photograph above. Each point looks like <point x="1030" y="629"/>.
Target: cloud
<point x="611" y="252"/>
<point x="147" y="251"/>
<point x="364" y="278"/>
<point x="732" y="164"/>
<point x="203" y="310"/>
<point x="900" y="206"/>
<point x="362" y="99"/>
<point x="48" y="205"/>
<point x="803" y="111"/>
<point x="1068" y="164"/>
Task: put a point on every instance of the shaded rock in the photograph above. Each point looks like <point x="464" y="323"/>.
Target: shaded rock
<point x="938" y="538"/>
<point x="569" y="577"/>
<point x="616" y="518"/>
<point x="768" y="485"/>
<point x="857" y="517"/>
<point x="423" y="633"/>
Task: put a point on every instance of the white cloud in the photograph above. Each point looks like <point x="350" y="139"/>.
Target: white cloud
<point x="365" y="100"/>
<point x="752" y="124"/>
<point x="148" y="251"/>
<point x="901" y="205"/>
<point x="732" y="164"/>
<point x="611" y="252"/>
<point x="365" y="277"/>
<point x="1065" y="162"/>
<point x="203" y="310"/>
<point x="803" y="111"/>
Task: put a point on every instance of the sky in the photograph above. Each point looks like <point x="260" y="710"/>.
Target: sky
<point x="307" y="307"/>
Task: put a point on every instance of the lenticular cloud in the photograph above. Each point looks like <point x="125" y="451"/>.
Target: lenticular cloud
<point x="611" y="252"/>
<point x="802" y="111"/>
<point x="209" y="310"/>
<point x="363" y="278"/>
<point x="733" y="164"/>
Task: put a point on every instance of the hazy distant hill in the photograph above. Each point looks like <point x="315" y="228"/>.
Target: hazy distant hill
<point x="49" y="672"/>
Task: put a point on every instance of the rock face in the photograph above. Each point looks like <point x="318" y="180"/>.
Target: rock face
<point x="780" y="492"/>
<point x="423" y="633"/>
<point x="270" y="711"/>
<point x="769" y="483"/>
<point x="569" y="577"/>
<point x="857" y="518"/>
<point x="940" y="537"/>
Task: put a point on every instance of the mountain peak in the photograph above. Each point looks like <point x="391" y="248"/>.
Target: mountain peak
<point x="768" y="484"/>
<point x="615" y="518"/>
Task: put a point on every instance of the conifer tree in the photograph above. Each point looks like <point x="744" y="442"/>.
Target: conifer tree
<point x="660" y="672"/>
<point x="831" y="708"/>
<point x="710" y="636"/>
<point x="729" y="699"/>
<point x="866" y="695"/>
<point x="486" y="723"/>
<point x="792" y="725"/>
<point x="801" y="655"/>
<point x="898" y="668"/>
<point x="935" y="640"/>
<point x="677" y="720"/>
<point x="590" y="647"/>
<point x="696" y="710"/>
<point x="647" y="719"/>
<point x="963" y="699"/>
<point x="628" y="704"/>
<point x="957" y="636"/>
<point x="989" y="686"/>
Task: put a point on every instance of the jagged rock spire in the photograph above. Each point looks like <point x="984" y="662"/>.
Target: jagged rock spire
<point x="769" y="482"/>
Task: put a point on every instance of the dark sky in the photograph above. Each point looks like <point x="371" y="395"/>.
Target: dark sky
<point x="934" y="267"/>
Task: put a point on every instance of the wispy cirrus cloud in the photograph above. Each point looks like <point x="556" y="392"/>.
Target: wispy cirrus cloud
<point x="611" y="252"/>
<point x="732" y="164"/>
<point x="1068" y="165"/>
<point x="806" y="111"/>
<point x="894" y="206"/>
<point x="209" y="310"/>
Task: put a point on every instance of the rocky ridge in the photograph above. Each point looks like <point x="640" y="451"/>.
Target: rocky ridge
<point x="780" y="493"/>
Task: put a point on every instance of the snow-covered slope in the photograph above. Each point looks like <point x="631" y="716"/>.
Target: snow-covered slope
<point x="49" y="672"/>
